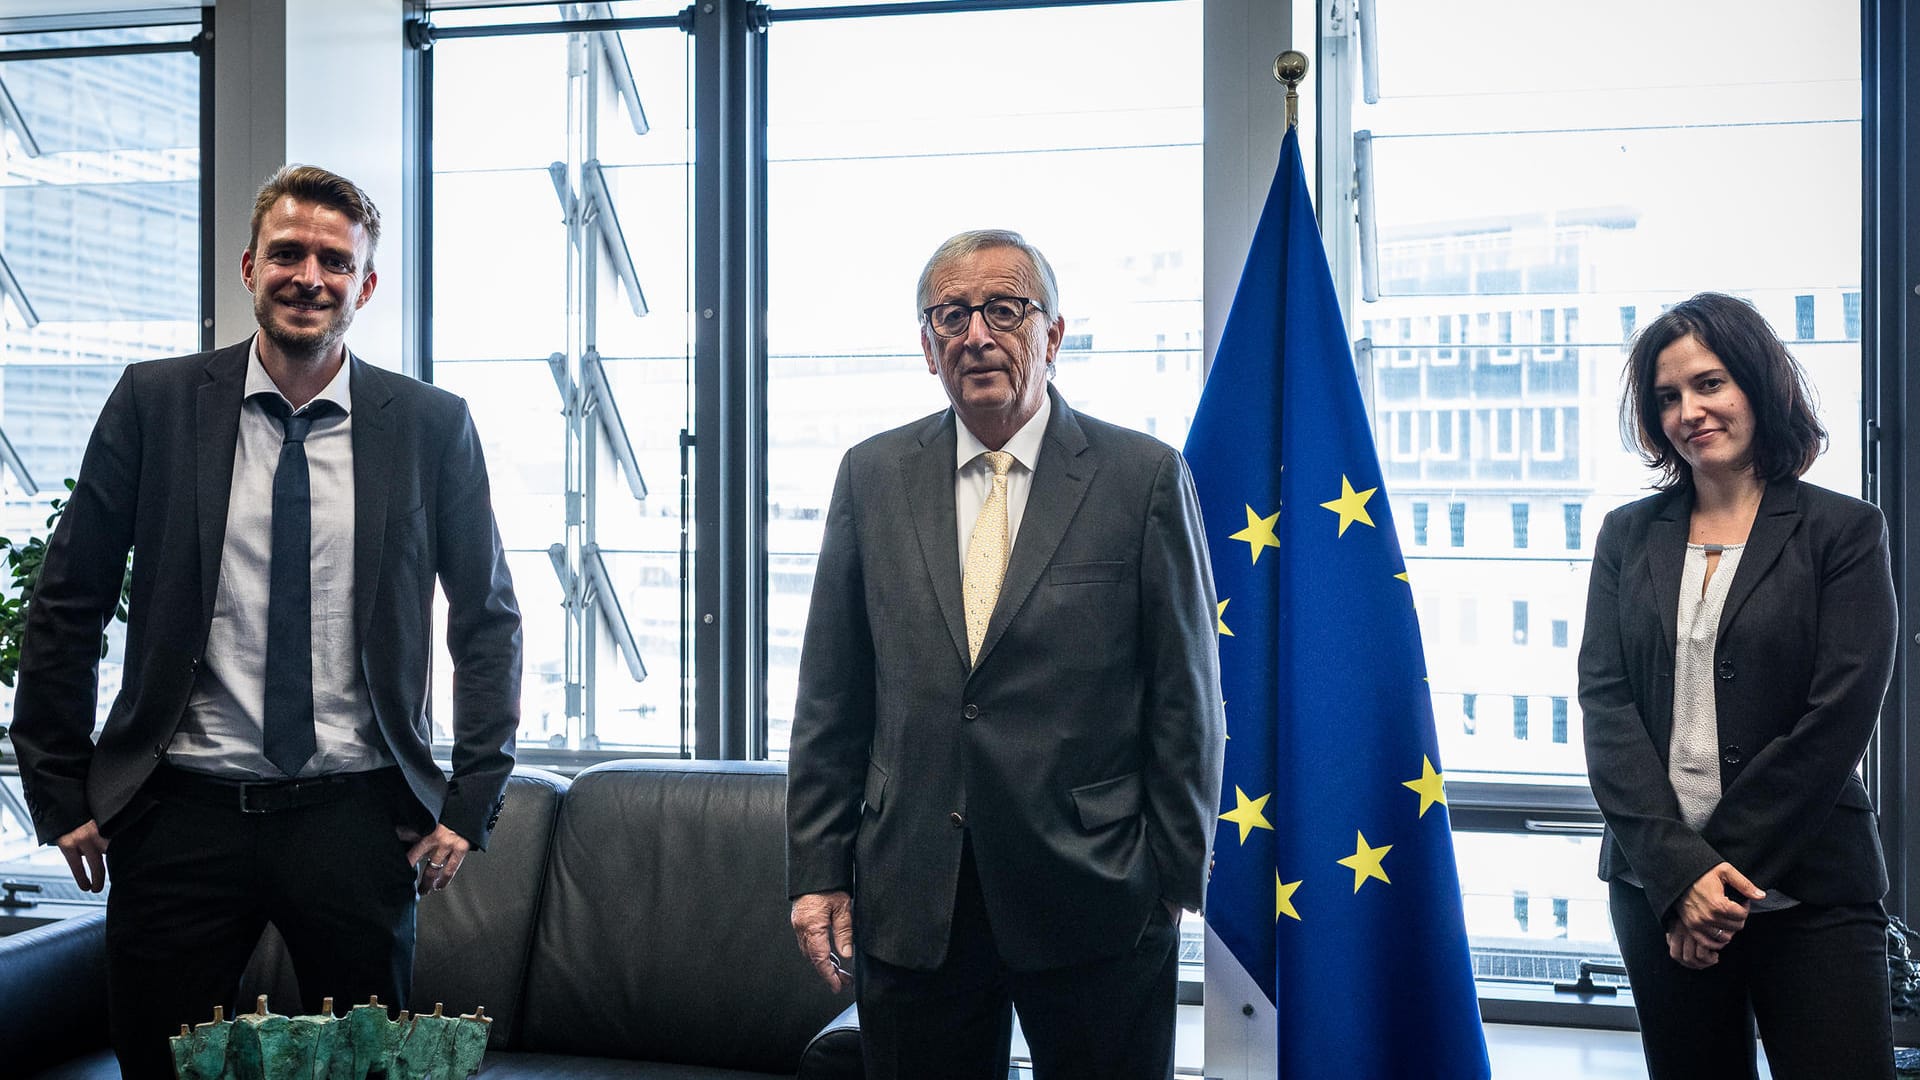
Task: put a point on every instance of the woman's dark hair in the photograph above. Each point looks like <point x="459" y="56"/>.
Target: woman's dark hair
<point x="1787" y="436"/>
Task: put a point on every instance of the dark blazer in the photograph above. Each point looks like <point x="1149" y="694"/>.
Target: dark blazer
<point x="1804" y="653"/>
<point x="1082" y="753"/>
<point x="156" y="478"/>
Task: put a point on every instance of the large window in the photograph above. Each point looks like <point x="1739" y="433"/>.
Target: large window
<point x="1093" y="155"/>
<point x="1536" y="182"/>
<point x="560" y="299"/>
<point x="100" y="238"/>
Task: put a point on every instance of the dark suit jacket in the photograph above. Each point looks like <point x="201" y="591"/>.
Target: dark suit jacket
<point x="1082" y="752"/>
<point x="1804" y="652"/>
<point x="156" y="477"/>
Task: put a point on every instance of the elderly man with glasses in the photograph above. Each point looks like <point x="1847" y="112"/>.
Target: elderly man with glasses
<point x="1007" y="742"/>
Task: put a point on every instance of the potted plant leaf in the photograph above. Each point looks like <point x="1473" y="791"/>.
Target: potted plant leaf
<point x="23" y="561"/>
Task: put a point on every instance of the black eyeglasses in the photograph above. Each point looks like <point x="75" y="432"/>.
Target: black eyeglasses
<point x="1002" y="313"/>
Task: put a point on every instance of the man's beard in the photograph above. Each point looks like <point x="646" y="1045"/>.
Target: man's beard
<point x="312" y="342"/>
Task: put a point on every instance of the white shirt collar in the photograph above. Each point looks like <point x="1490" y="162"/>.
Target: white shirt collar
<point x="1024" y="446"/>
<point x="338" y="389"/>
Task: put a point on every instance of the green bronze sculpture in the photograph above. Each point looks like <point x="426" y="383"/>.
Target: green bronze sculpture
<point x="364" y="1045"/>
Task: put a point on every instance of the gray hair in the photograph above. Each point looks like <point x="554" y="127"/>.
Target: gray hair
<point x="967" y="243"/>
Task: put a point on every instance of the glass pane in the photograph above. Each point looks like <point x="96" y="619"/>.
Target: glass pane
<point x="862" y="188"/>
<point x="1534" y="907"/>
<point x="100" y="240"/>
<point x="516" y="409"/>
<point x="1545" y="182"/>
<point x="1532" y="214"/>
<point x="501" y="117"/>
<point x="507" y="12"/>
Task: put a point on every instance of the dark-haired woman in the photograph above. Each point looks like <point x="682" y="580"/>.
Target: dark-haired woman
<point x="1739" y="638"/>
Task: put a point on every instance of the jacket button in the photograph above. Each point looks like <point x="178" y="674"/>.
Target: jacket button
<point x="971" y="712"/>
<point x="1733" y="755"/>
<point x="1726" y="669"/>
<point x="959" y="819"/>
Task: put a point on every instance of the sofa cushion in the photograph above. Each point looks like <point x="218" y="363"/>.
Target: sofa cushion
<point x="50" y="1001"/>
<point x="835" y="1054"/>
<point x="664" y="935"/>
<point x="475" y="935"/>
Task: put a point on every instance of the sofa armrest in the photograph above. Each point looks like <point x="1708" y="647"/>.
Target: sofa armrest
<point x="834" y="1054"/>
<point x="53" y="992"/>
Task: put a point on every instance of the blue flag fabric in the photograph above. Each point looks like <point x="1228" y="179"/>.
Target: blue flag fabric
<point x="1334" y="884"/>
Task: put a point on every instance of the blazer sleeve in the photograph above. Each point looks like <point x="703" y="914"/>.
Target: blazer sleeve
<point x="833" y="715"/>
<point x="1184" y="723"/>
<point x="79" y="589"/>
<point x="1628" y="773"/>
<point x="483" y="637"/>
<point x="1767" y="814"/>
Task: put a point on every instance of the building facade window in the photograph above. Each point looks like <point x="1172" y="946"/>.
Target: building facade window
<point x="1570" y="516"/>
<point x="1519" y="622"/>
<point x="1803" y="318"/>
<point x="1420" y="524"/>
<point x="1520" y="513"/>
<point x="1457" y="524"/>
<point x="1560" y="720"/>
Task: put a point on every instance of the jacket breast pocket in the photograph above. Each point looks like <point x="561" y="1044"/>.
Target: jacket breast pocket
<point x="1086" y="573"/>
<point x="1109" y="801"/>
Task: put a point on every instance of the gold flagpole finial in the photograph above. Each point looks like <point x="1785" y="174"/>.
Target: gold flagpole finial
<point x="1290" y="67"/>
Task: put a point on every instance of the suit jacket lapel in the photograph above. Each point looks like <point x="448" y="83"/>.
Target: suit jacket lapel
<point x="927" y="475"/>
<point x="374" y="451"/>
<point x="216" y="433"/>
<point x="1060" y="480"/>
<point x="1666" y="555"/>
<point x="1777" y="518"/>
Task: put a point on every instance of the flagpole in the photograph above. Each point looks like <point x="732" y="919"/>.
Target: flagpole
<point x="1290" y="67"/>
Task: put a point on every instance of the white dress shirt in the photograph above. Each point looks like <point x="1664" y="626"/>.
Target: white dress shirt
<point x="221" y="730"/>
<point x="973" y="478"/>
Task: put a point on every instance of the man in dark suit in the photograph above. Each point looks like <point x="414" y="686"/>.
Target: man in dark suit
<point x="268" y="758"/>
<point x="1007" y="743"/>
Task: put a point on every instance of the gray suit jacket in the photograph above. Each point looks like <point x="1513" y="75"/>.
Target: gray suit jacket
<point x="156" y="478"/>
<point x="1081" y="754"/>
<point x="1804" y="652"/>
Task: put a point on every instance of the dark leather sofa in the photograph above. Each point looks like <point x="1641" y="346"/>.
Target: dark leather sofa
<point x="631" y="923"/>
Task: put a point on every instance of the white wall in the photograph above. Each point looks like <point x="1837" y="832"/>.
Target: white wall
<point x="317" y="82"/>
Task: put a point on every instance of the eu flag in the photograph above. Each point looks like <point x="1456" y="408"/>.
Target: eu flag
<point x="1334" y="907"/>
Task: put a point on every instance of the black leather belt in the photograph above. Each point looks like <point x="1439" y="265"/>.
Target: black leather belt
<point x="263" y="796"/>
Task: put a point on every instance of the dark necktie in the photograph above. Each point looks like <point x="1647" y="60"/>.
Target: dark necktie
<point x="288" y="739"/>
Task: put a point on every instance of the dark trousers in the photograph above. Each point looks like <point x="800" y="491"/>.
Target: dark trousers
<point x="1813" y="977"/>
<point x="194" y="883"/>
<point x="1109" y="1019"/>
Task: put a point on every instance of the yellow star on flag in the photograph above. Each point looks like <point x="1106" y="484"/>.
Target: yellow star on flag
<point x="1218" y="617"/>
<point x="1402" y="576"/>
<point x="1259" y="533"/>
<point x="1351" y="505"/>
<point x="1283" y="898"/>
<point x="1365" y="861"/>
<point x="1248" y="813"/>
<point x="1431" y="785"/>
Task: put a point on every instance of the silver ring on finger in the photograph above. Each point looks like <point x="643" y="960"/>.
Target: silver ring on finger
<point x="436" y="865"/>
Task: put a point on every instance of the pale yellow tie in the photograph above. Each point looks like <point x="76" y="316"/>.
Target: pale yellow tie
<point x="986" y="555"/>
